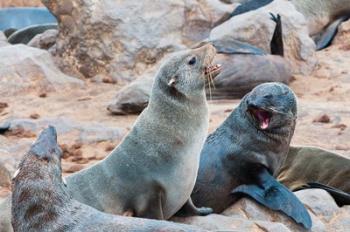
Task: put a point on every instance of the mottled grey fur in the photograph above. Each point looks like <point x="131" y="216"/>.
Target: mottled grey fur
<point x="41" y="201"/>
<point x="153" y="171"/>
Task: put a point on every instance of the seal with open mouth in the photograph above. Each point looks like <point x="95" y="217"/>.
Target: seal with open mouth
<point x="245" y="153"/>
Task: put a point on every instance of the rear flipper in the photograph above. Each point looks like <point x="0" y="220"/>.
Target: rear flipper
<point x="324" y="39"/>
<point x="340" y="197"/>
<point x="276" y="196"/>
<point x="189" y="209"/>
<point x="276" y="44"/>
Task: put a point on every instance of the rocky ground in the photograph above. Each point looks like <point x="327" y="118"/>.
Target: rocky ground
<point x="88" y="132"/>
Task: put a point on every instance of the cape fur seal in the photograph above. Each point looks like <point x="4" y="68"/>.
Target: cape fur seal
<point x="41" y="201"/>
<point x="323" y="17"/>
<point x="312" y="167"/>
<point x="245" y="153"/>
<point x="152" y="172"/>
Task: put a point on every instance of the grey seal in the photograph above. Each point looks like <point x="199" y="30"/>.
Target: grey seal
<point x="41" y="201"/>
<point x="152" y="172"/>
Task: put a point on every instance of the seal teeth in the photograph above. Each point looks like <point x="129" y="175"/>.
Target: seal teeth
<point x="212" y="68"/>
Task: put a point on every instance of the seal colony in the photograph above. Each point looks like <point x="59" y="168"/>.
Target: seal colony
<point x="152" y="172"/>
<point x="245" y="153"/>
<point x="41" y="201"/>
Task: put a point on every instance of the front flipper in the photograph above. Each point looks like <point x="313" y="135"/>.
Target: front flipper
<point x="189" y="209"/>
<point x="276" y="196"/>
<point x="340" y="197"/>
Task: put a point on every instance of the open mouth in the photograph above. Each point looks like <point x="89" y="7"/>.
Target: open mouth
<point x="212" y="70"/>
<point x="263" y="117"/>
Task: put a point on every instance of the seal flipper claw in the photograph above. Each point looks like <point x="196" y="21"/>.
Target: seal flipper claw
<point x="276" y="196"/>
<point x="189" y="209"/>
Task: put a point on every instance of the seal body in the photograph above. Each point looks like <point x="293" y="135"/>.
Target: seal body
<point x="41" y="201"/>
<point x="153" y="171"/>
<point x="245" y="153"/>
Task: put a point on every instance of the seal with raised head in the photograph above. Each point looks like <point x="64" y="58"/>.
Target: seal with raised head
<point x="244" y="154"/>
<point x="41" y="201"/>
<point x="152" y="172"/>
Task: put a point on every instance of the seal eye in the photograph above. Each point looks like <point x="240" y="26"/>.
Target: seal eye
<point x="192" y="61"/>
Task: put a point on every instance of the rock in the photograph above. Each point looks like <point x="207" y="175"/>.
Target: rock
<point x="343" y="35"/>
<point x="45" y="40"/>
<point x="319" y="202"/>
<point x="72" y="167"/>
<point x="84" y="133"/>
<point x="3" y="40"/>
<point x="341" y="221"/>
<point x="324" y="118"/>
<point x="257" y="28"/>
<point x="123" y="38"/>
<point x="216" y="222"/>
<point x="132" y="98"/>
<point x="19" y="3"/>
<point x="246" y="208"/>
<point x="26" y="69"/>
<point x="5" y="177"/>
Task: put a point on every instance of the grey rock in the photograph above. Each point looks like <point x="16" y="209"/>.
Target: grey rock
<point x="123" y="38"/>
<point x="27" y="69"/>
<point x="216" y="222"/>
<point x="319" y="202"/>
<point x="247" y="208"/>
<point x="3" y="40"/>
<point x="44" y="40"/>
<point x="86" y="133"/>
<point x="257" y="28"/>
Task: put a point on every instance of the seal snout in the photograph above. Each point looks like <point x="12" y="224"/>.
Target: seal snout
<point x="46" y="145"/>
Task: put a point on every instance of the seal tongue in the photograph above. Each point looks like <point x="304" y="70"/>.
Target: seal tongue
<point x="264" y="119"/>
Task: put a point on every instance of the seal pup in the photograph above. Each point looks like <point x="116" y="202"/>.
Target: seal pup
<point x="41" y="201"/>
<point x="152" y="172"/>
<point x="245" y="153"/>
<point x="312" y="167"/>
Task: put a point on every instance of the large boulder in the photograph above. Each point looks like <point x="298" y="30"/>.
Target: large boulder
<point x="23" y="68"/>
<point x="257" y="28"/>
<point x="122" y="38"/>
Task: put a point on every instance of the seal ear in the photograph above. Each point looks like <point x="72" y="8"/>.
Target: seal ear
<point x="276" y="196"/>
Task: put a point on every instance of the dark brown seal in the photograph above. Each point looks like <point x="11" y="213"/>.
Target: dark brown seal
<point x="41" y="201"/>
